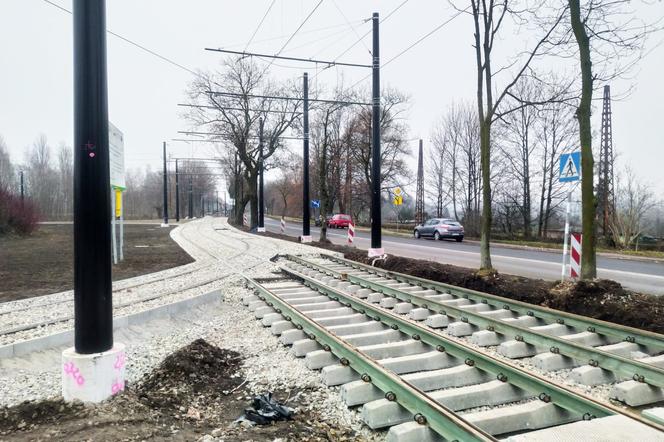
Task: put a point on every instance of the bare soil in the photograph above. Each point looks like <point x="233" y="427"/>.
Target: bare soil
<point x="195" y="391"/>
<point x="600" y="299"/>
<point x="43" y="263"/>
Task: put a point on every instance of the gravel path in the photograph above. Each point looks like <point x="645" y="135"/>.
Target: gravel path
<point x="220" y="251"/>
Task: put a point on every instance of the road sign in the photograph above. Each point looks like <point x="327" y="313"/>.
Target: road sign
<point x="398" y="200"/>
<point x="116" y="157"/>
<point x="315" y="204"/>
<point x="397" y="191"/>
<point x="570" y="167"/>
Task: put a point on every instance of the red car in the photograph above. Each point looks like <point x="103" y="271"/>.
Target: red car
<point x="339" y="221"/>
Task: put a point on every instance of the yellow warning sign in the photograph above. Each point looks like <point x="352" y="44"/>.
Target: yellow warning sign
<point x="398" y="200"/>
<point x="118" y="203"/>
<point x="397" y="191"/>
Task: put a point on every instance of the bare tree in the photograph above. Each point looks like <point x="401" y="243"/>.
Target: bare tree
<point x="66" y="181"/>
<point x="7" y="179"/>
<point x="488" y="19"/>
<point x="633" y="202"/>
<point x="555" y="130"/>
<point x="393" y="133"/>
<point x="235" y="118"/>
<point x="609" y="41"/>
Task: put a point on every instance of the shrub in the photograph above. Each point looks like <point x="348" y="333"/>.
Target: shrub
<point x="17" y="216"/>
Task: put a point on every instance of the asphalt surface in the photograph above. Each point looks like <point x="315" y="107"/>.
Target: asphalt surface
<point x="640" y="276"/>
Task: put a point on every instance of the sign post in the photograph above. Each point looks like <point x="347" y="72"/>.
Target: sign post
<point x="117" y="180"/>
<point x="570" y="171"/>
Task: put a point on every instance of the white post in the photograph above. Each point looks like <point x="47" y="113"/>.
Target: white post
<point x="121" y="226"/>
<point x="115" y="245"/>
<point x="567" y="209"/>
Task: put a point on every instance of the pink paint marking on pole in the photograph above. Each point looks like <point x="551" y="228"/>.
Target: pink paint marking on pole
<point x="351" y="233"/>
<point x="119" y="361"/>
<point x="283" y="225"/>
<point x="71" y="369"/>
<point x="117" y="386"/>
<point x="575" y="255"/>
<point x="244" y="220"/>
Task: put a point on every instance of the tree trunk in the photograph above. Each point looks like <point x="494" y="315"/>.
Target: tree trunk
<point x="485" y="156"/>
<point x="588" y="259"/>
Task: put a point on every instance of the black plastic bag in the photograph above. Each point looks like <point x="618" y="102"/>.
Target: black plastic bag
<point x="265" y="410"/>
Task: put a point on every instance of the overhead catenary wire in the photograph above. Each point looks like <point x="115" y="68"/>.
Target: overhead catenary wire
<point x="361" y="39"/>
<point x="273" y="97"/>
<point x="260" y="24"/>
<point x="416" y="42"/>
<point x="133" y="43"/>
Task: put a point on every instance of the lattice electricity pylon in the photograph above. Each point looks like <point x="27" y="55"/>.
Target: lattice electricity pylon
<point x="419" y="197"/>
<point x="605" y="194"/>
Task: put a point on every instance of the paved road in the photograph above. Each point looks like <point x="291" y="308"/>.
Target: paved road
<point x="644" y="277"/>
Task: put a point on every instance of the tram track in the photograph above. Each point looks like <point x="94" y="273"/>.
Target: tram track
<point x="409" y="377"/>
<point x="594" y="352"/>
<point x="56" y="314"/>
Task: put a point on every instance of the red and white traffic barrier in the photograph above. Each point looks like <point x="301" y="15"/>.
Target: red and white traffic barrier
<point x="575" y="255"/>
<point x="283" y="225"/>
<point x="351" y="233"/>
<point x="244" y="219"/>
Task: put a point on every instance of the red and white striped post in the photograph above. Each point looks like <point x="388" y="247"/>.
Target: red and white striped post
<point x="351" y="233"/>
<point x="283" y="225"/>
<point x="244" y="219"/>
<point x="575" y="255"/>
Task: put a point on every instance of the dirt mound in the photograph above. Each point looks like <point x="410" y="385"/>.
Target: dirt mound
<point x="196" y="375"/>
<point x="522" y="289"/>
<point x="609" y="301"/>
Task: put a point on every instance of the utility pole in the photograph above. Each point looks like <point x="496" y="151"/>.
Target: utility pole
<point x="177" y="192"/>
<point x="306" y="233"/>
<point x="261" y="188"/>
<point x="605" y="189"/>
<point x="165" y="224"/>
<point x="191" y="197"/>
<point x="202" y="205"/>
<point x="216" y="200"/>
<point x="419" y="194"/>
<point x="94" y="351"/>
<point x="22" y="188"/>
<point x="376" y="243"/>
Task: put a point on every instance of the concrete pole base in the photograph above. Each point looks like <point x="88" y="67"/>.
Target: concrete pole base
<point x="376" y="253"/>
<point x="260" y="229"/>
<point x="94" y="377"/>
<point x="164" y="225"/>
<point x="305" y="238"/>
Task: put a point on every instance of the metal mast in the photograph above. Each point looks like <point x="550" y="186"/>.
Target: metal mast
<point x="419" y="196"/>
<point x="605" y="193"/>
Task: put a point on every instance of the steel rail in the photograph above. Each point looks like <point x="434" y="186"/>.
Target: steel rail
<point x="583" y="406"/>
<point x="629" y="334"/>
<point x="441" y="419"/>
<point x="632" y="369"/>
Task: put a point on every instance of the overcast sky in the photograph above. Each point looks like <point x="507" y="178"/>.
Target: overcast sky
<point x="36" y="70"/>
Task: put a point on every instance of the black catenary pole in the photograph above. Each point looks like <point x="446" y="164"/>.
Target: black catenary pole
<point x="93" y="306"/>
<point x="22" y="189"/>
<point x="305" y="156"/>
<point x="165" y="188"/>
<point x="216" y="201"/>
<point x="177" y="192"/>
<point x="191" y="197"/>
<point x="261" y="188"/>
<point x="376" y="247"/>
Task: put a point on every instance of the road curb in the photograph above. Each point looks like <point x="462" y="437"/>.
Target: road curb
<point x="66" y="337"/>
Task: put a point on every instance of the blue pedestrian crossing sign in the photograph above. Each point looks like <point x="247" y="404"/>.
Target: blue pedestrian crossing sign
<point x="570" y="167"/>
<point x="315" y="204"/>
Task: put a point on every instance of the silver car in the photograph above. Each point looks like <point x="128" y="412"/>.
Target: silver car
<point x="440" y="228"/>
